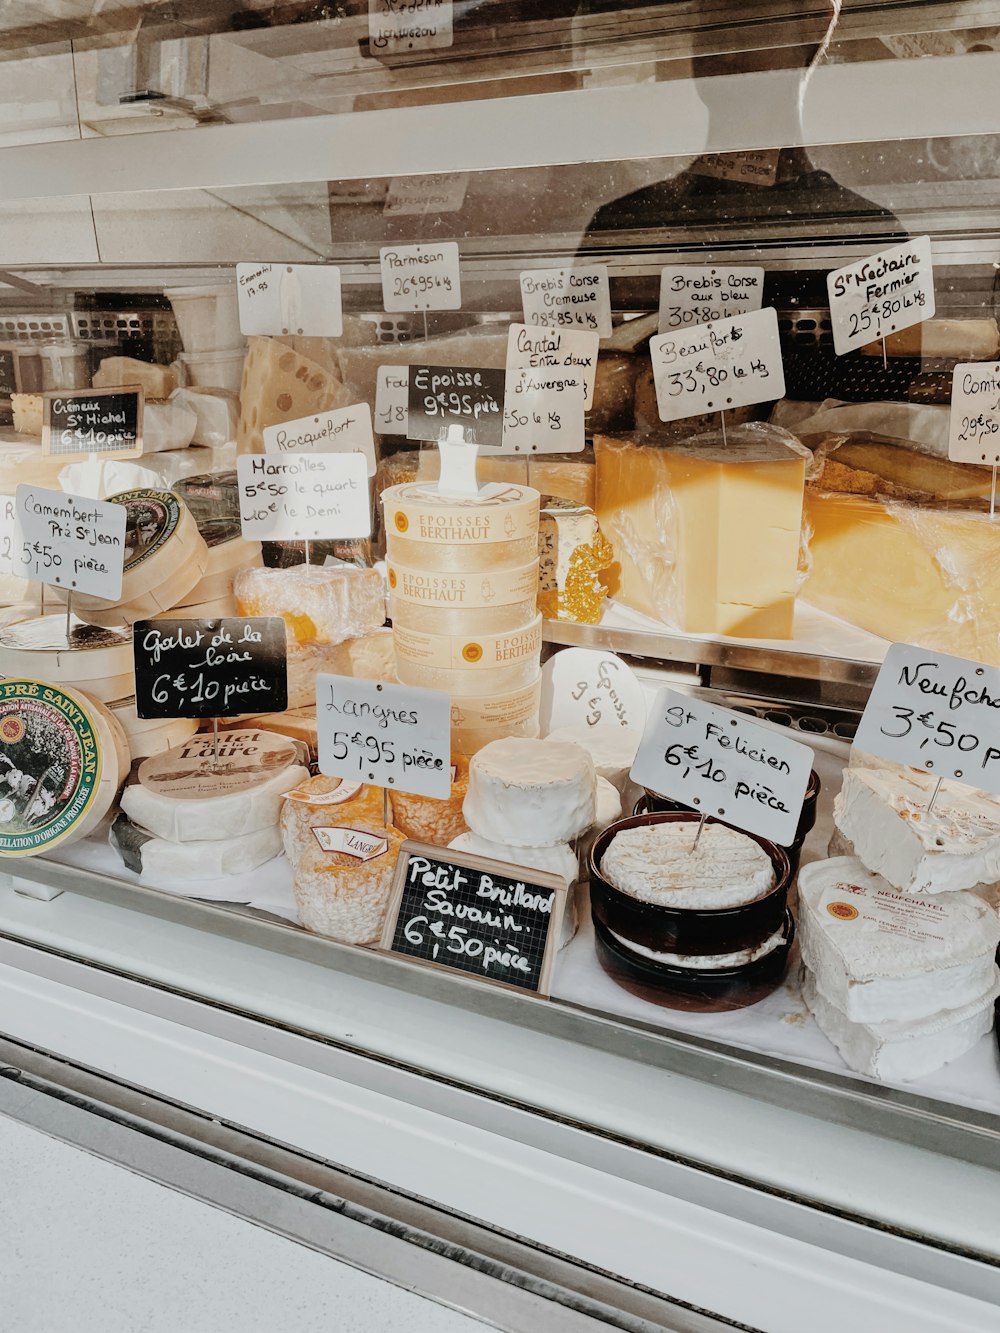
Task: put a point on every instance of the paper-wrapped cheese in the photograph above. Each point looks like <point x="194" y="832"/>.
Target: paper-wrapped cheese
<point x="435" y="821"/>
<point x="116" y="372"/>
<point x="319" y="604"/>
<point x="529" y="793"/>
<point x="63" y="758"/>
<point x="883" y="956"/>
<point x="204" y="791"/>
<point x="280" y="384"/>
<point x="706" y="534"/>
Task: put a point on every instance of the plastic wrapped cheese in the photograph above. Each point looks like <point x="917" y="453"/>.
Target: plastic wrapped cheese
<point x="322" y="800"/>
<point x="706" y="534"/>
<point x="369" y="657"/>
<point x="893" y="471"/>
<point x="165" y="426"/>
<point x="923" y="427"/>
<point x="319" y="604"/>
<point x="435" y="821"/>
<point x="22" y="461"/>
<point x="216" y="414"/>
<point x="921" y="575"/>
<point x="115" y="372"/>
<point x="573" y="554"/>
<point x="280" y="384"/>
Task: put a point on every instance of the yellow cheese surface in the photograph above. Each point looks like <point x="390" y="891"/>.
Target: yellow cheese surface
<point x="280" y="384"/>
<point x="705" y="537"/>
<point x="924" y="576"/>
<point x="906" y="473"/>
<point x="154" y="380"/>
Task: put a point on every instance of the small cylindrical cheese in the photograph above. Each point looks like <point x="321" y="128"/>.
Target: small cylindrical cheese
<point x="531" y="793"/>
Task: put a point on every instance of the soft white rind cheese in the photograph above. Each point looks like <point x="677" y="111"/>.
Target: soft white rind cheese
<point x="880" y="955"/>
<point x="609" y="805"/>
<point x="528" y="793"/>
<point x="186" y="861"/>
<point x="558" y="860"/>
<point x="884" y="814"/>
<point x="612" y="748"/>
<point x="655" y="864"/>
<point x="708" y="962"/>
<point x="901" y="1051"/>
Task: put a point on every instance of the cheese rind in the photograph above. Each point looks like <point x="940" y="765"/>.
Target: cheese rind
<point x="880" y="955"/>
<point x="319" y="604"/>
<point x="155" y="381"/>
<point x="706" y="534"/>
<point x="527" y="793"/>
<point x="573" y="553"/>
<point x="658" y="863"/>
<point x="343" y="878"/>
<point x="557" y="860"/>
<point x="885" y="816"/>
<point x="323" y="800"/>
<point x="434" y="821"/>
<point x="183" y="863"/>
<point x="281" y="384"/>
<point x="612" y="748"/>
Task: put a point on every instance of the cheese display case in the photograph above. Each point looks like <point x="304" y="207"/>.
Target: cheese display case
<point x="484" y="391"/>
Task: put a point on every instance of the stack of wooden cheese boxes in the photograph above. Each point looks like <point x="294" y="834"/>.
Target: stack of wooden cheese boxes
<point x="463" y="581"/>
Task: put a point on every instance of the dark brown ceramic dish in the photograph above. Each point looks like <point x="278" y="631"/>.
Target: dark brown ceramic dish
<point x="697" y="990"/>
<point x="687" y="929"/>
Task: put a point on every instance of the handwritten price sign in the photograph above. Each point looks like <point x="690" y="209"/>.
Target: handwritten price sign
<point x="975" y="414"/>
<point x="421" y="277"/>
<point x="69" y="541"/>
<point x="724" y="765"/>
<point x="939" y="713"/>
<point x="695" y="294"/>
<point x="886" y="292"/>
<point x="730" y="363"/>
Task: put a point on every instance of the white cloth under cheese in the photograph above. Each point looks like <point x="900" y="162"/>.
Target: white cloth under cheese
<point x="880" y="955"/>
<point x="655" y="863"/>
<point x="902" y="1050"/>
<point x="559" y="860"/>
<point x="885" y="816"/>
<point x="531" y="793"/>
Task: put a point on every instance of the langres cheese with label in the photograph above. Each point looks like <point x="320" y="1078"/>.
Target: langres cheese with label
<point x="96" y="660"/>
<point x="531" y="793"/>
<point x="884" y="814"/>
<point x="196" y="792"/>
<point x="63" y="759"/>
<point x="166" y="557"/>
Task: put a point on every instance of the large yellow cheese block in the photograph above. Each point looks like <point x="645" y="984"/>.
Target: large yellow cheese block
<point x="705" y="535"/>
<point x="27" y="409"/>
<point x="280" y="384"/>
<point x="914" y="575"/>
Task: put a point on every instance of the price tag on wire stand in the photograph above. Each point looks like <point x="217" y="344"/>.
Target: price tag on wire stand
<point x="550" y="380"/>
<point x="210" y="668"/>
<point x="392" y="392"/>
<point x="724" y="765"/>
<point x="490" y="920"/>
<point x="890" y="290"/>
<point x="303" y="497"/>
<point x="69" y="542"/>
<point x="297" y="299"/>
<point x="421" y="277"/>
<point x="699" y="294"/>
<point x="939" y="713"/>
<point x="575" y="297"/>
<point x="348" y="430"/>
<point x="388" y="735"/>
<point x="714" y="367"/>
<point x="974" y="436"/>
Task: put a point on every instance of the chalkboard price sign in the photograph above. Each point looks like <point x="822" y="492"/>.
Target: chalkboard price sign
<point x="93" y="421"/>
<point x="464" y="912"/>
<point x="210" y="668"/>
<point x="442" y="397"/>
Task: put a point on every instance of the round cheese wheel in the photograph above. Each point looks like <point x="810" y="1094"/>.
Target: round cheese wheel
<point x="225" y="560"/>
<point x="462" y="603"/>
<point x="426" y="530"/>
<point x="527" y="793"/>
<point x="97" y="660"/>
<point x="461" y="622"/>
<point x="63" y="759"/>
<point x="323" y="800"/>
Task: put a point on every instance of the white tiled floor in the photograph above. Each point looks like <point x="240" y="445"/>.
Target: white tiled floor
<point x="88" y="1247"/>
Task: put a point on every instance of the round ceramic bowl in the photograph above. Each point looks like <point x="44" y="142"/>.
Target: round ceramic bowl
<point x="687" y="929"/>
<point x="653" y="802"/>
<point x="698" y="990"/>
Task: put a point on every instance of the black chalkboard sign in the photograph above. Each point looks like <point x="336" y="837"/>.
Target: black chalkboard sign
<point x="460" y="911"/>
<point x="93" y="421"/>
<point x="440" y="397"/>
<point x="8" y="372"/>
<point x="210" y="668"/>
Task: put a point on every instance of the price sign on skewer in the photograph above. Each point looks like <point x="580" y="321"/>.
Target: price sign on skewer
<point x="576" y="297"/>
<point x="69" y="542"/>
<point x="939" y="713"/>
<point x="303" y="497"/>
<point x="888" y="291"/>
<point x="345" y="431"/>
<point x="974" y="434"/>
<point x="210" y="668"/>
<point x="392" y="392"/>
<point x="714" y="367"/>
<point x="93" y="422"/>
<point x="699" y="294"/>
<point x="724" y="765"/>
<point x="296" y="299"/>
<point x="421" y="277"/>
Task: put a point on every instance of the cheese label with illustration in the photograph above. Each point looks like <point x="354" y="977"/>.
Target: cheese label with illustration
<point x="457" y="651"/>
<point x="50" y="765"/>
<point x="203" y="769"/>
<point x="152" y="518"/>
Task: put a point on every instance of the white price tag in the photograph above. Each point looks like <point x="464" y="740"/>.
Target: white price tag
<point x="303" y="497"/>
<point x="297" y="299"/>
<point x="582" y="687"/>
<point x="939" y="713"/>
<point x="389" y="735"/>
<point x="756" y="166"/>
<point x="550" y="380"/>
<point x="731" y="363"/>
<point x="420" y="25"/>
<point x="417" y="196"/>
<point x="8" y="509"/>
<point x="348" y="430"/>
<point x="974" y="436"/>
<point x="697" y="294"/>
<point x="560" y="298"/>
<point x="882" y="294"/>
<point x="421" y="277"/>
<point x="75" y="543"/>
<point x="392" y="394"/>
<point x="722" y="764"/>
